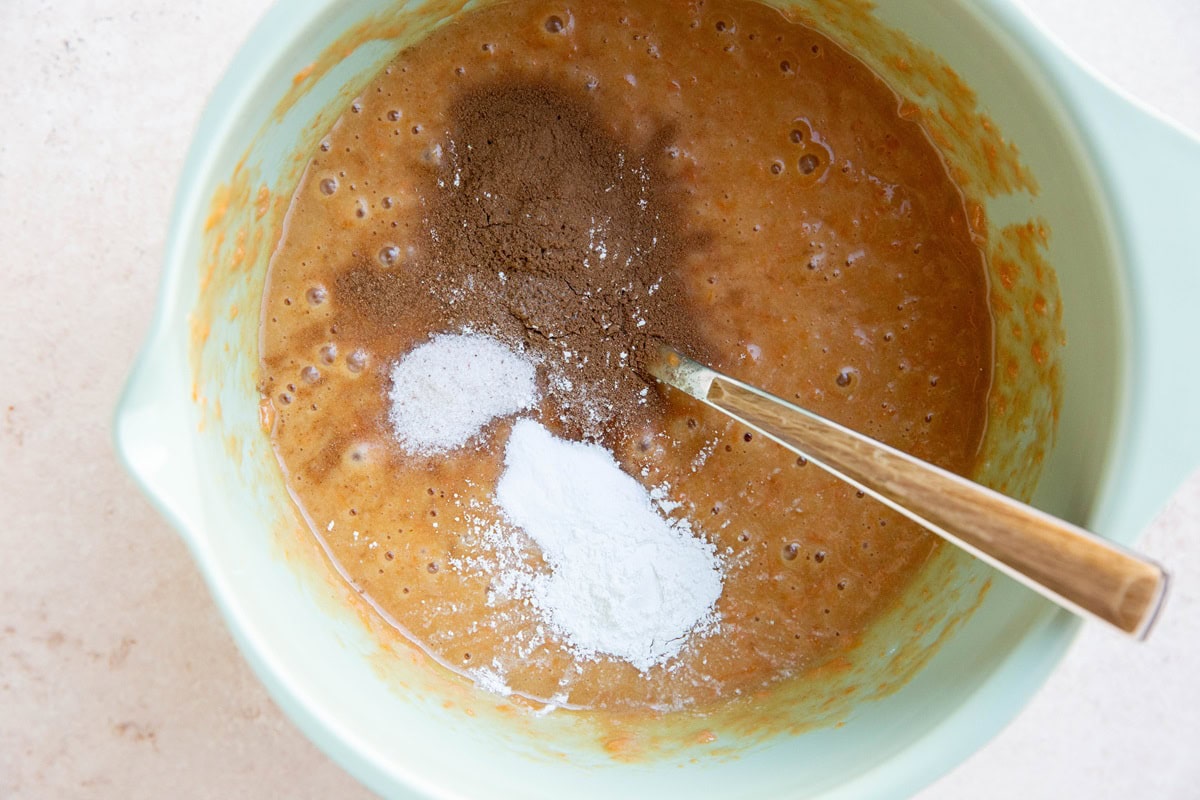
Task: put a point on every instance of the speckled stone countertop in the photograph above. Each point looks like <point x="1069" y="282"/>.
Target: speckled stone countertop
<point x="118" y="680"/>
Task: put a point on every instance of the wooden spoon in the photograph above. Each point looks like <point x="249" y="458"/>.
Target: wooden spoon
<point x="1076" y="569"/>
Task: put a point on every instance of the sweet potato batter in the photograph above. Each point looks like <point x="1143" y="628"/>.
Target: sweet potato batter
<point x="797" y="233"/>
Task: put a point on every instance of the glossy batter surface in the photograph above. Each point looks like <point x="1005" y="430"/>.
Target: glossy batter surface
<point x="828" y="260"/>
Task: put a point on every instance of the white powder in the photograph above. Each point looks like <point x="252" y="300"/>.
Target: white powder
<point x="445" y="391"/>
<point x="623" y="580"/>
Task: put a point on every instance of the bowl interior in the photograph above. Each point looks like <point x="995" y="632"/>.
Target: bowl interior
<point x="194" y="422"/>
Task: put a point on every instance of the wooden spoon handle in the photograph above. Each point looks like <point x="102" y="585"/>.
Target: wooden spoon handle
<point x="1077" y="569"/>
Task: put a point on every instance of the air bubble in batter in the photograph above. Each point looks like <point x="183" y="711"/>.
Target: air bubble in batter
<point x="389" y="255"/>
<point x="356" y="361"/>
<point x="432" y="156"/>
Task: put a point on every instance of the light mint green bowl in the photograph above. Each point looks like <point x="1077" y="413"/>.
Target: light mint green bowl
<point x="1120" y="189"/>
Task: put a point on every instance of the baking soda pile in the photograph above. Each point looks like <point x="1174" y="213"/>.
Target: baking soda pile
<point x="621" y="580"/>
<point x="445" y="391"/>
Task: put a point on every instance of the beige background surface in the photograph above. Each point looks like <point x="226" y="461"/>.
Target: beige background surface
<point x="117" y="678"/>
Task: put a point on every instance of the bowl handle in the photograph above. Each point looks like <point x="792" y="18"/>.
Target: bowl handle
<point x="151" y="431"/>
<point x="1151" y="171"/>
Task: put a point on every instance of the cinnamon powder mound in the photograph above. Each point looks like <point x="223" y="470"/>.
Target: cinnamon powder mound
<point x="542" y="229"/>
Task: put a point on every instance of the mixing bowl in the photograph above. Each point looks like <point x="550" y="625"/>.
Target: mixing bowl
<point x="1117" y="192"/>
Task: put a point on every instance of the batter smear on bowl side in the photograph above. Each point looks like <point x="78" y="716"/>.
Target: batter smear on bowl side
<point x="476" y="262"/>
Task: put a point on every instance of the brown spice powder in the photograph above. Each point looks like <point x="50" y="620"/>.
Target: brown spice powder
<point x="542" y="229"/>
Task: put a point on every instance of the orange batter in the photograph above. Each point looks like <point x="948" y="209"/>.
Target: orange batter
<point x="829" y="261"/>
